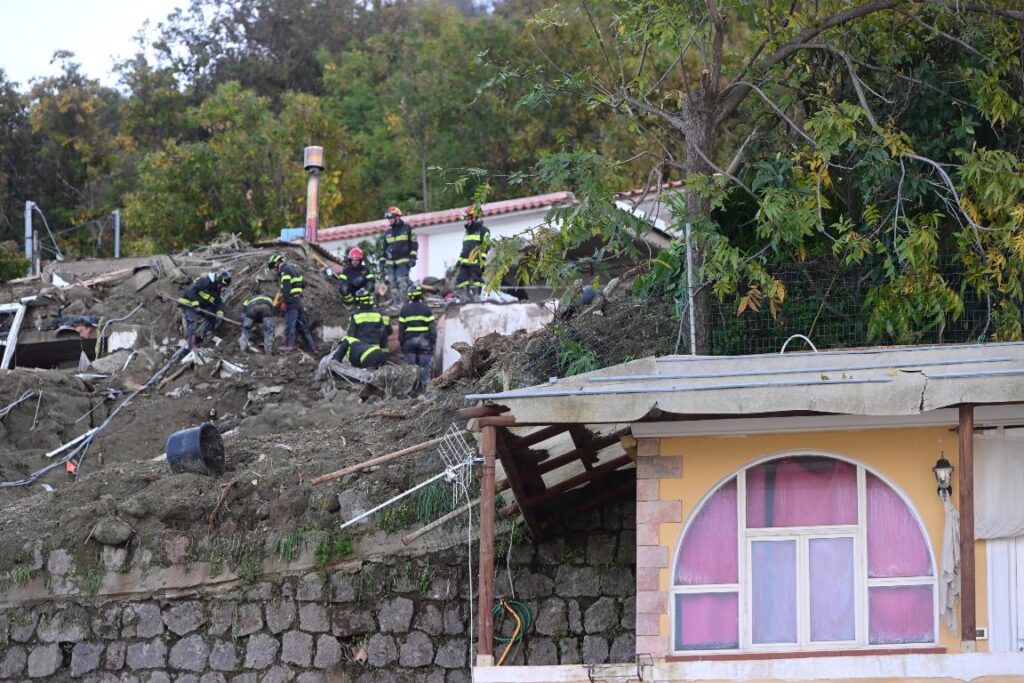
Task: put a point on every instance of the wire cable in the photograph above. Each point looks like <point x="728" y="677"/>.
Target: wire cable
<point x="59" y="253"/>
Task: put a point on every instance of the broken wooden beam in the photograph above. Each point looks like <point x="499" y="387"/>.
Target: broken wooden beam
<point x="534" y="438"/>
<point x="458" y="512"/>
<point x="592" y="448"/>
<point x="569" y="484"/>
<point x="381" y="460"/>
<point x="498" y="421"/>
<point x="485" y="410"/>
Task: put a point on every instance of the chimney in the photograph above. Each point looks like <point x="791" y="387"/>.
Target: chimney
<point x="313" y="162"/>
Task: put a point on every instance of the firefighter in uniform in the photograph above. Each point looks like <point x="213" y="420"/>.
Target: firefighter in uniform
<point x="367" y="322"/>
<point x="259" y="310"/>
<point x="291" y="285"/>
<point x="399" y="254"/>
<point x="360" y="354"/>
<point x="353" y="276"/>
<point x="417" y="333"/>
<point x="204" y="294"/>
<point x="469" y="279"/>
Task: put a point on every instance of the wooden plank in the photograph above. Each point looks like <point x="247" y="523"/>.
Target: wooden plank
<point x="968" y="618"/>
<point x="534" y="438"/>
<point x="565" y="486"/>
<point x="498" y="421"/>
<point x="382" y="459"/>
<point x="485" y="619"/>
<point x="485" y="410"/>
<point x="520" y="485"/>
<point x="589" y="452"/>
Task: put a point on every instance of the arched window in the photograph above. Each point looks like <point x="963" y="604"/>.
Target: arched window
<point x="802" y="552"/>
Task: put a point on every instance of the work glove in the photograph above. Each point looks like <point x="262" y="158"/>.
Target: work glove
<point x="220" y="314"/>
<point x="328" y="272"/>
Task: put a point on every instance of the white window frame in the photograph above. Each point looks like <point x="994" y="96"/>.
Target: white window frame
<point x="802" y="535"/>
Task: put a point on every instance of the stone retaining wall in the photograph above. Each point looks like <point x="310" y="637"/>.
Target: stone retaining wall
<point x="398" y="619"/>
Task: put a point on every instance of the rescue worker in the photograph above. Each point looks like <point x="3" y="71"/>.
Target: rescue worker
<point x="290" y="287"/>
<point x="417" y="333"/>
<point x="367" y="322"/>
<point x="399" y="254"/>
<point x="258" y="309"/>
<point x="353" y="276"/>
<point x="360" y="354"/>
<point x="469" y="279"/>
<point x="204" y="294"/>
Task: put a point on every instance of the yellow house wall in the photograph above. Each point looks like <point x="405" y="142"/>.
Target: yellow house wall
<point x="904" y="456"/>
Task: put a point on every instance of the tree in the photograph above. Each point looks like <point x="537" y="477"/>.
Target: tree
<point x="768" y="100"/>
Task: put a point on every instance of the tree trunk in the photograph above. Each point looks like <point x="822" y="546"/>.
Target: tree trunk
<point x="700" y="144"/>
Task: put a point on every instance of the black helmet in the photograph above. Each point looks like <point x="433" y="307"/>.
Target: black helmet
<point x="274" y="260"/>
<point x="223" y="278"/>
<point x="364" y="296"/>
<point x="414" y="291"/>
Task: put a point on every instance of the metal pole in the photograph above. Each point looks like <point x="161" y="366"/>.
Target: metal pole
<point x="313" y="162"/>
<point x="968" y="615"/>
<point x="689" y="292"/>
<point x="485" y="636"/>
<point x="29" y="254"/>
<point x="117" y="233"/>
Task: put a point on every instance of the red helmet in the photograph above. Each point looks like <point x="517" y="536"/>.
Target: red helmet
<point x="393" y="212"/>
<point x="469" y="213"/>
<point x="355" y="253"/>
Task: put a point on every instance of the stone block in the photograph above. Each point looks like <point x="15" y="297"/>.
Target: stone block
<point x="311" y="587"/>
<point x="12" y="662"/>
<point x="248" y="619"/>
<point x="648" y="534"/>
<point x="297" y="648"/>
<point x="530" y="585"/>
<point x="246" y="678"/>
<point x="395" y="615"/>
<point x="85" y="657"/>
<point x="114" y="661"/>
<point x="113" y="559"/>
<point x="655" y="646"/>
<point x="648" y="489"/>
<point x="23" y="625"/>
<point x="190" y="653"/>
<point x="381" y="650"/>
<point x="279" y="674"/>
<point x="618" y="581"/>
<point x="595" y="650"/>
<point x="260" y="591"/>
<point x="313" y="618"/>
<point x="184" y="618"/>
<point x="651" y="556"/>
<point x="350" y="620"/>
<point x="601" y="616"/>
<point x="648" y="578"/>
<point x="260" y="651"/>
<point x="311" y="677"/>
<point x="148" y="677"/>
<point x="648" y="624"/>
<point x="280" y="615"/>
<point x="575" y="582"/>
<point x="141" y="620"/>
<point x="569" y="650"/>
<point x="453" y="622"/>
<point x="575" y="616"/>
<point x="106" y="622"/>
<point x="623" y="648"/>
<point x="458" y="676"/>
<point x="651" y="602"/>
<point x="212" y="677"/>
<point x="550" y="552"/>
<point x="627" y="547"/>
<point x="328" y="652"/>
<point x="417" y="650"/>
<point x="65" y="625"/>
<point x="34" y="551"/>
<point x="60" y="562"/>
<point x="452" y="654"/>
<point x="220" y="617"/>
<point x="541" y="652"/>
<point x="224" y="656"/>
<point x="343" y="588"/>
<point x="629" y="613"/>
<point x="429" y="620"/>
<point x="659" y="467"/>
<point x="600" y="548"/>
<point x="648" y="447"/>
<point x="552" y="618"/>
<point x="44" y="660"/>
<point x="659" y="512"/>
<point x="150" y="654"/>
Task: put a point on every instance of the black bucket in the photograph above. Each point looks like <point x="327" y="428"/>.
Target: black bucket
<point x="199" y="450"/>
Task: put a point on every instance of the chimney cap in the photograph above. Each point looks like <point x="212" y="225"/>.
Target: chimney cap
<point x="313" y="158"/>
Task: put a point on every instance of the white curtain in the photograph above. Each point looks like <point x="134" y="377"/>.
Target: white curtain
<point x="999" y="484"/>
<point x="949" y="579"/>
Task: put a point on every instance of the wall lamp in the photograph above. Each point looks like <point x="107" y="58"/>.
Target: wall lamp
<point x="943" y="472"/>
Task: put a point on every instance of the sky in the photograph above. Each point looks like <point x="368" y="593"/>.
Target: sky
<point x="97" y="31"/>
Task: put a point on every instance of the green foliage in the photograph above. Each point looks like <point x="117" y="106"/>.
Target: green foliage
<point x="574" y="358"/>
<point x="333" y="545"/>
<point x="12" y="264"/>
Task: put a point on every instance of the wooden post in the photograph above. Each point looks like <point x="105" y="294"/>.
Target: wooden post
<point x="966" y="480"/>
<point x="485" y="636"/>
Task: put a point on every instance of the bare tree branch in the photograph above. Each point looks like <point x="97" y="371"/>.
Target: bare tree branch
<point x="779" y="111"/>
<point x="857" y="86"/>
<point x="738" y="157"/>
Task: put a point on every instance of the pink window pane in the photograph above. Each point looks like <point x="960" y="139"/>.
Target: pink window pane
<point x="707" y="621"/>
<point x="801" y="491"/>
<point x="708" y="551"/>
<point x="833" y="615"/>
<point x="896" y="546"/>
<point x="900" y="614"/>
<point x="773" y="591"/>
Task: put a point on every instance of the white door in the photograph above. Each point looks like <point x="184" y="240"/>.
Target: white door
<point x="1006" y="594"/>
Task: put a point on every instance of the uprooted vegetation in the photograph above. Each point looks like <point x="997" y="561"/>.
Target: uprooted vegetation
<point x="280" y="430"/>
